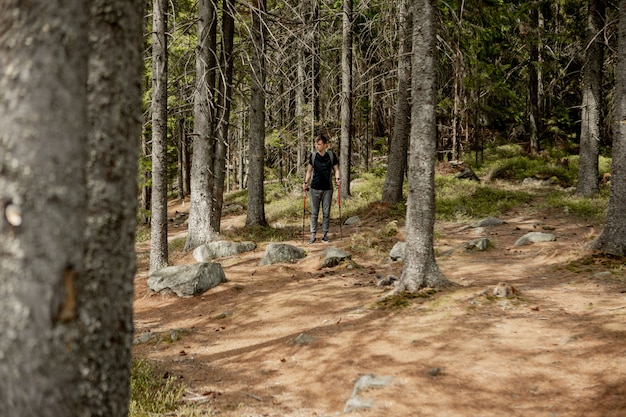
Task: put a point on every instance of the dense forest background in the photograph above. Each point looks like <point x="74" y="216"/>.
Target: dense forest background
<point x="507" y="72"/>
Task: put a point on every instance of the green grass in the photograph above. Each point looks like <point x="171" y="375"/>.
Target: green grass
<point x="463" y="200"/>
<point x="153" y="391"/>
<point x="587" y="208"/>
<point x="455" y="199"/>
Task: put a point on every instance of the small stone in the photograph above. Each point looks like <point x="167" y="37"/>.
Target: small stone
<point x="434" y="372"/>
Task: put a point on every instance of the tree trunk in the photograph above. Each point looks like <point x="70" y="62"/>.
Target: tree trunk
<point x="315" y="63"/>
<point x="256" y="191"/>
<point x="158" y="223"/>
<point x="346" y="100"/>
<point x="180" y="149"/>
<point x="396" y="168"/>
<point x="200" y="229"/>
<point x="115" y="70"/>
<point x="145" y="175"/>
<point x="186" y="163"/>
<point x="224" y="95"/>
<point x="592" y="101"/>
<point x="304" y="145"/>
<point x="420" y="268"/>
<point x="457" y="86"/>
<point x="612" y="240"/>
<point x="43" y="125"/>
<point x="533" y="87"/>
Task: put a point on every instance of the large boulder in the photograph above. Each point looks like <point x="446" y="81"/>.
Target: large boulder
<point x="281" y="252"/>
<point x="221" y="249"/>
<point x="534" y="237"/>
<point x="398" y="251"/>
<point x="187" y="280"/>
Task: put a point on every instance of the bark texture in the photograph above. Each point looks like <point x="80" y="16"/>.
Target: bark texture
<point x="158" y="223"/>
<point x="256" y="191"/>
<point x="396" y="168"/>
<point x="613" y="238"/>
<point x="420" y="268"/>
<point x="200" y="230"/>
<point x="346" y="100"/>
<point x="224" y="95"/>
<point x="106" y="296"/>
<point x="592" y="101"/>
<point x="43" y="125"/>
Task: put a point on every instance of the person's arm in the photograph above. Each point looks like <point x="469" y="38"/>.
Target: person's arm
<point x="307" y="177"/>
<point x="337" y="178"/>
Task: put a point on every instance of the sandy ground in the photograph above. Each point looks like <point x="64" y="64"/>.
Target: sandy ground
<point x="293" y="339"/>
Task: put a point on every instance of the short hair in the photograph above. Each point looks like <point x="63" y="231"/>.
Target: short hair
<point x="321" y="138"/>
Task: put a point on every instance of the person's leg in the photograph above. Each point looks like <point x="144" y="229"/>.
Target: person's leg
<point x="327" y="199"/>
<point x="316" y="199"/>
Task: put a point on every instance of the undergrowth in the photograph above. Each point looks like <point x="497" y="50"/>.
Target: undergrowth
<point x="153" y="391"/>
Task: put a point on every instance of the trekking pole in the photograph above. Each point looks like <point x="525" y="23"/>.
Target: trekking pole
<point x="303" y="215"/>
<point x="339" y="204"/>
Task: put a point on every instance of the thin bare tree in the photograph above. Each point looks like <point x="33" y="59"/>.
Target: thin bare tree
<point x="158" y="222"/>
<point x="396" y="168"/>
<point x="256" y="190"/>
<point x="345" y="149"/>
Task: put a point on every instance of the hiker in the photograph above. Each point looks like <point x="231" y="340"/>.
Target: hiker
<point x="320" y="169"/>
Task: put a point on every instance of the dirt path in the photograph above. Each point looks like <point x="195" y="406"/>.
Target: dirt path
<point x="292" y="340"/>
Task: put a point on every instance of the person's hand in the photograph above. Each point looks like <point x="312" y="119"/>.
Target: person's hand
<point x="305" y="186"/>
<point x="338" y="181"/>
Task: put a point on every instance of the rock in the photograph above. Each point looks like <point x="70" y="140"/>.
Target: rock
<point x="534" y="237"/>
<point x="385" y="282"/>
<point x="364" y="382"/>
<point x="537" y="182"/>
<point x="478" y="244"/>
<point x="469" y="174"/>
<point x="488" y="222"/>
<point x="334" y="256"/>
<point x="303" y="339"/>
<point x="357" y="403"/>
<point x="281" y="252"/>
<point x="221" y="249"/>
<point x="187" y="280"/>
<point x="478" y="231"/>
<point x="397" y="252"/>
<point x="144" y="338"/>
<point x="232" y="208"/>
<point x="352" y="220"/>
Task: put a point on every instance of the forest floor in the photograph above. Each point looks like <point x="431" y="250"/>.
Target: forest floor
<point x="293" y="339"/>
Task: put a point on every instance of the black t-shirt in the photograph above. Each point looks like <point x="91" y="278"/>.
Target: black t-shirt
<point x="322" y="170"/>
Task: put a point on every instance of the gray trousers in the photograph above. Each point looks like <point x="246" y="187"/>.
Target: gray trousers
<point x="325" y="197"/>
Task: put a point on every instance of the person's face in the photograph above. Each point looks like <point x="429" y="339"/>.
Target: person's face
<point x="321" y="146"/>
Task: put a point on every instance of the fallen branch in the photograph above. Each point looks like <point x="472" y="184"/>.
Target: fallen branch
<point x="253" y="396"/>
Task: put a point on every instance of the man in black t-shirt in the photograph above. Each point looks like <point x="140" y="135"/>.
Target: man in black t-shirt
<point x="321" y="166"/>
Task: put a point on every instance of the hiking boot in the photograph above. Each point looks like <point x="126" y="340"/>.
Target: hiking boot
<point x="325" y="239"/>
<point x="312" y="240"/>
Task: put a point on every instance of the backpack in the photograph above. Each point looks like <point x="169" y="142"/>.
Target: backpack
<point x="333" y="157"/>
